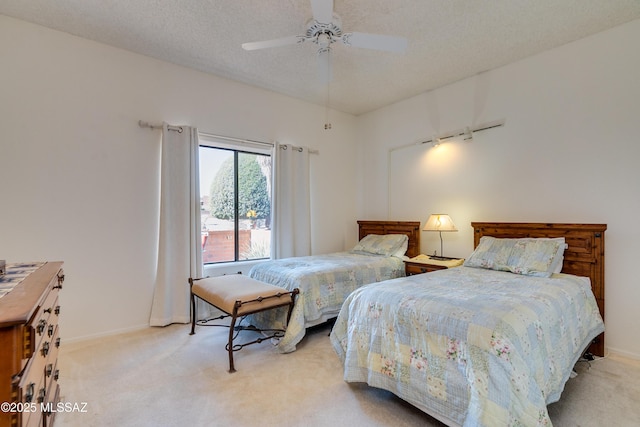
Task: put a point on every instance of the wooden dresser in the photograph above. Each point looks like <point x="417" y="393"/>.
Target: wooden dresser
<point x="29" y="342"/>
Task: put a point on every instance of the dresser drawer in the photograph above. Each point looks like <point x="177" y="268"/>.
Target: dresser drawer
<point x="41" y="324"/>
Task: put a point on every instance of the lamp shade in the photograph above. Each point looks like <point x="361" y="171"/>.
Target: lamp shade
<point x="439" y="222"/>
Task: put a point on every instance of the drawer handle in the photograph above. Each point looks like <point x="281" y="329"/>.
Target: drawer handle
<point x="60" y="281"/>
<point x="41" y="395"/>
<point x="48" y="370"/>
<point x="50" y="330"/>
<point x="41" y="325"/>
<point x="28" y="396"/>
<point x="56" y="375"/>
<point x="57" y="342"/>
<point x="57" y="310"/>
<point x="422" y="269"/>
<point x="45" y="348"/>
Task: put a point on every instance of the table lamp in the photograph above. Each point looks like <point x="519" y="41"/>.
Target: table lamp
<point x="439" y="223"/>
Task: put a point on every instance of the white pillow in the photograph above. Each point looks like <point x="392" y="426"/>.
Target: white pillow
<point x="382" y="244"/>
<point x="403" y="249"/>
<point x="559" y="260"/>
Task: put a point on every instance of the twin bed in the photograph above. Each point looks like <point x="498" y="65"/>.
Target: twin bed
<point x="489" y="343"/>
<point x="325" y="281"/>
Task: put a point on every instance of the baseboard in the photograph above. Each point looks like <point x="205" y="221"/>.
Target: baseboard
<point x="90" y="337"/>
<point x="622" y="353"/>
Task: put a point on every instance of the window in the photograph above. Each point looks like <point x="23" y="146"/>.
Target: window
<point x="235" y="202"/>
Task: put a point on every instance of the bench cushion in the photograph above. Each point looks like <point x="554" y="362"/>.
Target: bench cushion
<point x="224" y="291"/>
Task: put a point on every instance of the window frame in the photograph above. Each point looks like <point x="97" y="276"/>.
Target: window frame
<point x="237" y="147"/>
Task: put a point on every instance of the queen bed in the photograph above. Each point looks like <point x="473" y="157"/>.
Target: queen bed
<point x="325" y="281"/>
<point x="492" y="342"/>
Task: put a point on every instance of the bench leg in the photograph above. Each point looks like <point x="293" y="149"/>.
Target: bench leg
<point x="193" y="308"/>
<point x="231" y="332"/>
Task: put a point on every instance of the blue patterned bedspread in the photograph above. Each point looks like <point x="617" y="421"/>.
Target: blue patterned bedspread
<point x="324" y="281"/>
<point x="469" y="346"/>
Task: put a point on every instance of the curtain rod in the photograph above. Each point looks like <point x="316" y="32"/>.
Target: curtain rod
<point x="300" y="149"/>
<point x="144" y="124"/>
<point x="152" y="127"/>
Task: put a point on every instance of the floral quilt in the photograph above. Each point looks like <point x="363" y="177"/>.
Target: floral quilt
<point x="324" y="281"/>
<point x="469" y="346"/>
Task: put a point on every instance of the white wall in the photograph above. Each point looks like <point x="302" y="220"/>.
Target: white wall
<point x="80" y="179"/>
<point x="568" y="153"/>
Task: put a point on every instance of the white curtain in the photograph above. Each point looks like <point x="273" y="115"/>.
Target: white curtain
<point x="292" y="206"/>
<point x="179" y="243"/>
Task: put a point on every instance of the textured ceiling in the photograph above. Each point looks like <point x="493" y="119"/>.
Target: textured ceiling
<point x="448" y="39"/>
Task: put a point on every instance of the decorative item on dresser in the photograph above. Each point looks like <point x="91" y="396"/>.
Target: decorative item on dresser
<point x="29" y="342"/>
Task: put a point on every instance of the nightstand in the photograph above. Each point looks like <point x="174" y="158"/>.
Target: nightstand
<point x="427" y="265"/>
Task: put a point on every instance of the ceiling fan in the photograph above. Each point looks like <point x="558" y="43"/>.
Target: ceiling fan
<point x="324" y="29"/>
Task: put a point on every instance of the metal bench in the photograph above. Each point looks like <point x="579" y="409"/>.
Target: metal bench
<point x="238" y="296"/>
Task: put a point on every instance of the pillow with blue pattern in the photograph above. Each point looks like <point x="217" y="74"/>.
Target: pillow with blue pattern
<point x="539" y="257"/>
<point x="382" y="244"/>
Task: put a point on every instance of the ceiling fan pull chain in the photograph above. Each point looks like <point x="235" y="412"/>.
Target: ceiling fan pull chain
<point x="327" y="124"/>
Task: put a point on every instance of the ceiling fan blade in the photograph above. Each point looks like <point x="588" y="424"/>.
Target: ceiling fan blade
<point x="322" y="11"/>
<point x="273" y="43"/>
<point x="375" y="41"/>
<point x="324" y="65"/>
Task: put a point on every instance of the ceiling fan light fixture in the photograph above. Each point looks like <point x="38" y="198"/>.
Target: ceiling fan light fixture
<point x="324" y="40"/>
<point x="333" y="29"/>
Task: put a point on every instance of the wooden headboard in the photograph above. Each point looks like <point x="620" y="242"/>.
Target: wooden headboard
<point x="410" y="228"/>
<point x="584" y="255"/>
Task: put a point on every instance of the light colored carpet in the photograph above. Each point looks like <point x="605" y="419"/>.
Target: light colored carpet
<point x="165" y="377"/>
